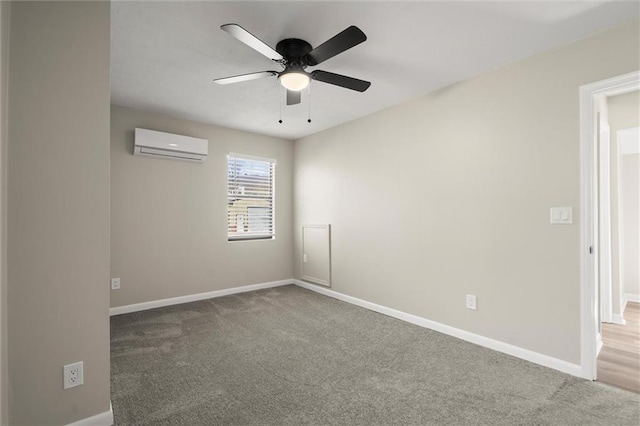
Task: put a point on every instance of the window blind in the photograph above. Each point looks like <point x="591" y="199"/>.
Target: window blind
<point x="250" y="212"/>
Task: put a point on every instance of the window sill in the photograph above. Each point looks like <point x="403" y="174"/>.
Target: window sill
<point x="236" y="239"/>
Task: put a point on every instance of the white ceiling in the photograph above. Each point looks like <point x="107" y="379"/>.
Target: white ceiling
<point x="164" y="55"/>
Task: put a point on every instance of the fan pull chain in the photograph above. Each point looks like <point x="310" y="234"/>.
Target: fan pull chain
<point x="309" y="101"/>
<point x="280" y="101"/>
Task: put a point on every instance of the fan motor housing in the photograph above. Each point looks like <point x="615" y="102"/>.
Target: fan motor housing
<point x="293" y="48"/>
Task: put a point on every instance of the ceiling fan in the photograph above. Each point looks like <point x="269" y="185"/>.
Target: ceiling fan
<point x="295" y="55"/>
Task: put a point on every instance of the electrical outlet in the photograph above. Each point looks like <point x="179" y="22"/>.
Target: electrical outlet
<point x="471" y="301"/>
<point x="73" y="375"/>
<point x="115" y="283"/>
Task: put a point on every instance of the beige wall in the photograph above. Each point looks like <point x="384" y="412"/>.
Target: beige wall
<point x="5" y="9"/>
<point x="623" y="113"/>
<point x="449" y="195"/>
<point x="58" y="209"/>
<point x="169" y="218"/>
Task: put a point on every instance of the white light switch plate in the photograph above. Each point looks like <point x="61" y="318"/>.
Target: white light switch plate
<point x="561" y="215"/>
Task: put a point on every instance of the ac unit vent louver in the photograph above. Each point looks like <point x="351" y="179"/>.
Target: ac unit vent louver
<point x="151" y="143"/>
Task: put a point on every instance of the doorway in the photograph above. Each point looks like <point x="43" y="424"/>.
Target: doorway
<point x="618" y="363"/>
<point x="591" y="258"/>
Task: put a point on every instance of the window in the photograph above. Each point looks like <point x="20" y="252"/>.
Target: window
<point x="250" y="213"/>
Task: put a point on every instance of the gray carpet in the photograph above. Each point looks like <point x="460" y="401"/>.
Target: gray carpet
<point x="289" y="356"/>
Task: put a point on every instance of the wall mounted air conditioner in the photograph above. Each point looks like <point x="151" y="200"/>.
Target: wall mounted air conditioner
<point x="151" y="143"/>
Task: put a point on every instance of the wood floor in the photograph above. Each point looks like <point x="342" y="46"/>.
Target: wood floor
<point x="619" y="359"/>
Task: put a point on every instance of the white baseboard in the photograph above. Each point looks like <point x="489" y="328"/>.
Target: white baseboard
<point x="102" y="419"/>
<point x="629" y="297"/>
<point x="194" y="297"/>
<point x="526" y="354"/>
<point x="618" y="319"/>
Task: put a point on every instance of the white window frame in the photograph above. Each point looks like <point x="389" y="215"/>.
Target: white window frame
<point x="246" y="234"/>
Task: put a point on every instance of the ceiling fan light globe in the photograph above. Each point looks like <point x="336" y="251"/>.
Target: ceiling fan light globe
<point x="294" y="80"/>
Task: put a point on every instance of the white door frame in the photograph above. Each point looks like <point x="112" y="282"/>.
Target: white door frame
<point x="604" y="218"/>
<point x="589" y="304"/>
